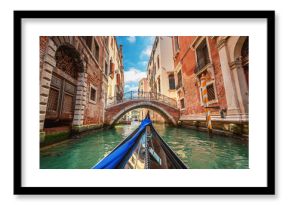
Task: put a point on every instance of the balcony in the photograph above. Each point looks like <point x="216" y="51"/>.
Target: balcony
<point x="200" y="69"/>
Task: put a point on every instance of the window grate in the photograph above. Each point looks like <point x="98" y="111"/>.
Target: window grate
<point x="210" y="92"/>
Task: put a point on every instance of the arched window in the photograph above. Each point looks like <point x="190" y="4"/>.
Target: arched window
<point x="68" y="61"/>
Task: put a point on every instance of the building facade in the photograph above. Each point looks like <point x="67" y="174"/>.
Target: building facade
<point x="143" y="86"/>
<point x="160" y="67"/>
<point x="143" y="90"/>
<point x="115" y="72"/>
<point x="223" y="62"/>
<point x="73" y="84"/>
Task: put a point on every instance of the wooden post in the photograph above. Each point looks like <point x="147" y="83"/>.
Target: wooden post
<point x="205" y="101"/>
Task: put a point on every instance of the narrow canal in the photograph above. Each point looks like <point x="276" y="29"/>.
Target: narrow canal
<point x="195" y="149"/>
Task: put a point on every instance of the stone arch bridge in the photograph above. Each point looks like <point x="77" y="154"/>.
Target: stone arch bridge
<point x="165" y="106"/>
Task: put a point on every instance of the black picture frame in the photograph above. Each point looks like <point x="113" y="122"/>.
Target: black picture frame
<point x="268" y="190"/>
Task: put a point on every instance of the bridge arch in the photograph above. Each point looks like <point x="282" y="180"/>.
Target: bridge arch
<point x="144" y="104"/>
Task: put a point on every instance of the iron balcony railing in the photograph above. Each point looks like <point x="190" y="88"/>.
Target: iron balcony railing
<point x="148" y="96"/>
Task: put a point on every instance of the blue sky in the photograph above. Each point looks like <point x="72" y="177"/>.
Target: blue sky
<point x="136" y="53"/>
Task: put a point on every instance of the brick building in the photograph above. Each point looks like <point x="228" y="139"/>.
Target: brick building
<point x="73" y="84"/>
<point x="223" y="61"/>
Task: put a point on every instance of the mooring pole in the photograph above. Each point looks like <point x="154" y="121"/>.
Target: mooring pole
<point x="205" y="101"/>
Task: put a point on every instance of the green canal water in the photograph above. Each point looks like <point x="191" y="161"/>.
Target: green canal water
<point x="195" y="149"/>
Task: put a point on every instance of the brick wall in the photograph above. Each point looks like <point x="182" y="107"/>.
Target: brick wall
<point x="43" y="43"/>
<point x="191" y="90"/>
<point x="219" y="83"/>
<point x="190" y="93"/>
<point x="94" y="110"/>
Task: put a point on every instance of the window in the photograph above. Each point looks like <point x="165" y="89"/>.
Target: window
<point x="106" y="68"/>
<point x="179" y="79"/>
<point x="176" y="44"/>
<point x="97" y="51"/>
<point x="93" y="94"/>
<point x="171" y="81"/>
<point x="202" y="55"/>
<point x="182" y="106"/>
<point x="211" y="96"/>
<point x="88" y="41"/>
<point x="210" y="92"/>
<point x="118" y="79"/>
<point x="112" y="69"/>
<point x="158" y="63"/>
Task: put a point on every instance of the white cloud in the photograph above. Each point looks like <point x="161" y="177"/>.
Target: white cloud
<point x="147" y="51"/>
<point x="134" y="75"/>
<point x="131" y="39"/>
<point x="148" y="39"/>
<point x="143" y="63"/>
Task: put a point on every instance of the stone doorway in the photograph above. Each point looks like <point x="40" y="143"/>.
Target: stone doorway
<point x="62" y="92"/>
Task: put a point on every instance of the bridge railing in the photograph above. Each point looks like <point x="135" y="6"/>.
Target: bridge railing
<point x="148" y="96"/>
